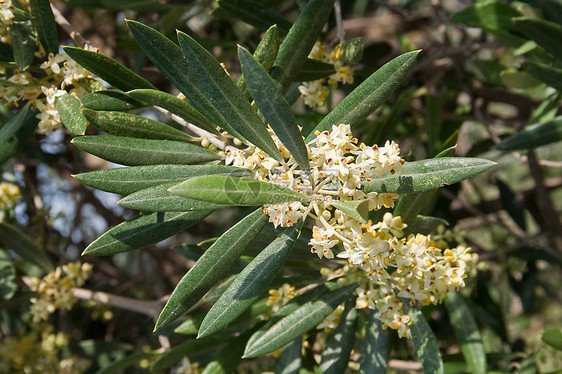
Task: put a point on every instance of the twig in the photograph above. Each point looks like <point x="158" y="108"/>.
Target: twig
<point x="404" y="365"/>
<point x="339" y="21"/>
<point x="66" y="26"/>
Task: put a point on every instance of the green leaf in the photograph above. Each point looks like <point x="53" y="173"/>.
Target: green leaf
<point x="134" y="151"/>
<point x="169" y="59"/>
<point x="355" y="209"/>
<point x="8" y="284"/>
<point x="131" y="125"/>
<point x="424" y="340"/>
<point x="235" y="191"/>
<point x="274" y="107"/>
<point x="226" y="97"/>
<point x="534" y="136"/>
<point x="335" y="356"/>
<point x="411" y="204"/>
<point x="110" y="100"/>
<point x="546" y="73"/>
<point x="313" y="70"/>
<point x="366" y="98"/>
<point x="45" y="24"/>
<point x="108" y="69"/>
<point x="297" y="323"/>
<point x="174" y="105"/>
<point x="296" y="46"/>
<point x="519" y="80"/>
<point x="254" y="14"/>
<point x="544" y="33"/>
<point x="428" y="174"/>
<point x="142" y="231"/>
<point x="511" y="204"/>
<point x="227" y="359"/>
<point x="211" y="267"/>
<point x="189" y="347"/>
<point x="13" y="238"/>
<point x="121" y="364"/>
<point x="251" y="283"/>
<point x="72" y="118"/>
<point x="467" y="333"/>
<point x="15" y="132"/>
<point x="375" y="358"/>
<point x="489" y="15"/>
<point x="424" y="225"/>
<point x="158" y="199"/>
<point x="22" y="37"/>
<point x="553" y="337"/>
<point x="290" y="360"/>
<point x="265" y="54"/>
<point x="126" y="180"/>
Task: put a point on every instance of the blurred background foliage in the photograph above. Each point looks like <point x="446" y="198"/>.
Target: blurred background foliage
<point x="487" y="74"/>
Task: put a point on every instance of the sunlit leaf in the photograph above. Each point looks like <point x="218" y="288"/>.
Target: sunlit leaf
<point x="72" y="118"/>
<point x="250" y="283"/>
<point x="297" y="323"/>
<point x="534" y="136"/>
<point x="428" y="174"/>
<point x="211" y="267"/>
<point x="355" y="209"/>
<point x="553" y="337"/>
<point x="108" y="69"/>
<point x="235" y="191"/>
<point x="544" y="33"/>
<point x="127" y="180"/>
<point x="274" y="107"/>
<point x="110" y="100"/>
<point x="370" y="94"/>
<point x="226" y="97"/>
<point x="136" y="151"/>
<point x="142" y="231"/>
<point x="375" y="358"/>
<point x="548" y="74"/>
<point x="132" y="125"/>
<point x="290" y="360"/>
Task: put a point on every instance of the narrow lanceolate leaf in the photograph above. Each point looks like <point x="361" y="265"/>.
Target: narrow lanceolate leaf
<point x="313" y="70"/>
<point x="375" y="357"/>
<point x="212" y="266"/>
<point x="428" y="174"/>
<point x="127" y="180"/>
<point x="189" y="347"/>
<point x="274" y="107"/>
<point x="174" y="105"/>
<point x="299" y="41"/>
<point x="366" y="98"/>
<point x="297" y="323"/>
<point x="126" y="124"/>
<point x="355" y="209"/>
<point x="290" y="360"/>
<point x="335" y="356"/>
<point x="15" y="132"/>
<point x="108" y="69"/>
<point x="134" y="151"/>
<point x="548" y="74"/>
<point x="22" y="36"/>
<point x="251" y="283"/>
<point x="227" y="359"/>
<point x="255" y="14"/>
<point x="534" y="136"/>
<point x="158" y="199"/>
<point x="424" y="341"/>
<point x="141" y="231"/>
<point x="467" y="333"/>
<point x="265" y="54"/>
<point x="45" y="24"/>
<point x="8" y="280"/>
<point x="110" y="100"/>
<point x="13" y="238"/>
<point x="553" y="337"/>
<point x="544" y="33"/>
<point x="72" y="118"/>
<point x="169" y="60"/>
<point x="226" y="97"/>
<point x="235" y="191"/>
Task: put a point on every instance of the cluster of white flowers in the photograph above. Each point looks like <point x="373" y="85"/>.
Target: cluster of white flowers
<point x="316" y="92"/>
<point x="9" y="194"/>
<point x="281" y="296"/>
<point x="55" y="289"/>
<point x="6" y="19"/>
<point x="393" y="267"/>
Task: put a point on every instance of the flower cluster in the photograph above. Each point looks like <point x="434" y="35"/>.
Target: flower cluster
<point x="6" y="19"/>
<point x="9" y="195"/>
<point x="393" y="267"/>
<point x="55" y="289"/>
<point x="316" y="92"/>
<point x="281" y="296"/>
<point x="39" y="351"/>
